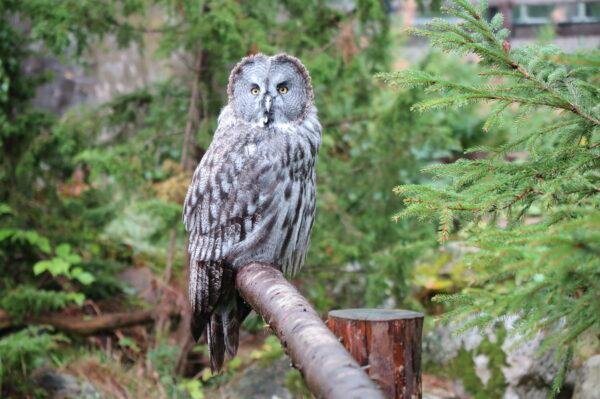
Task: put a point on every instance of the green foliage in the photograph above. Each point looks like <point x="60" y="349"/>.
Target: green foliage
<point x="535" y="220"/>
<point x="61" y="265"/>
<point x="192" y="388"/>
<point x="269" y="351"/>
<point x="20" y="353"/>
<point x="73" y="23"/>
<point x="46" y="238"/>
<point x="353" y="237"/>
<point x="296" y="385"/>
<point x="27" y="300"/>
<point x="164" y="360"/>
<point x="30" y="238"/>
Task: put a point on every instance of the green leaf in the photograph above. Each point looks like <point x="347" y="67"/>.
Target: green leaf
<point x="127" y="342"/>
<point x="26" y="236"/>
<point x="55" y="266"/>
<point x="5" y="209"/>
<point x="77" y="297"/>
<point x="63" y="250"/>
<point x="5" y="234"/>
<point x="82" y="276"/>
<point x="193" y="388"/>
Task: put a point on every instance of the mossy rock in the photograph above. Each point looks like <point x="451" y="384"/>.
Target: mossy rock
<point x="478" y="367"/>
<point x="494" y="363"/>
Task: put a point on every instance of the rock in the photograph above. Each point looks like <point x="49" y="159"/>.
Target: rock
<point x="587" y="383"/>
<point x="528" y="373"/>
<point x="60" y="385"/>
<point x="441" y="388"/>
<point x="481" y="368"/>
<point x="143" y="282"/>
<point x="260" y="382"/>
<point x="493" y="363"/>
<point x="110" y="71"/>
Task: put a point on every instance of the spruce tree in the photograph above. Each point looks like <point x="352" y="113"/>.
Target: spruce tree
<point x="534" y="220"/>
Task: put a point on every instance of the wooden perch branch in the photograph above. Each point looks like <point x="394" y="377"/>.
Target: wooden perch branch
<point x="86" y="326"/>
<point x="328" y="369"/>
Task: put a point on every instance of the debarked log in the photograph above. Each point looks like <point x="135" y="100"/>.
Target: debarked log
<point x="328" y="369"/>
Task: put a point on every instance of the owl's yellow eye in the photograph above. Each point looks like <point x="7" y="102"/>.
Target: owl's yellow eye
<point x="282" y="89"/>
<point x="255" y="91"/>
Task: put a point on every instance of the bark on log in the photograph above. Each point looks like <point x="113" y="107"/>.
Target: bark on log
<point x="85" y="326"/>
<point x="385" y="342"/>
<point x="328" y="369"/>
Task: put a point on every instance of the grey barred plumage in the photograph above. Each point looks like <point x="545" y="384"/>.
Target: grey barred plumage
<point x="252" y="197"/>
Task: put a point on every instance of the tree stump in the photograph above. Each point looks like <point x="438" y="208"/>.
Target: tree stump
<point x="386" y="343"/>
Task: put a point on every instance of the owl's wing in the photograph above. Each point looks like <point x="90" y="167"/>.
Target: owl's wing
<point x="229" y="207"/>
<point x="230" y="199"/>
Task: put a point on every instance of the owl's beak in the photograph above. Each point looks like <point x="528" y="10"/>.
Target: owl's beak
<point x="267" y="102"/>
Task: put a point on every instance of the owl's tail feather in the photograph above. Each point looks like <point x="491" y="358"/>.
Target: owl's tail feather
<point x="216" y="342"/>
<point x="218" y="309"/>
<point x="224" y="328"/>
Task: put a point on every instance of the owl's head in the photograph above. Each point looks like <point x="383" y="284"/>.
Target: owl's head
<point x="266" y="90"/>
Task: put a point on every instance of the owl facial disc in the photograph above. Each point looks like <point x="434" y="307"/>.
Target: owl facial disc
<point x="270" y="90"/>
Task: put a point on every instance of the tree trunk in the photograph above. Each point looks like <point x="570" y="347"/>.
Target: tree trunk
<point x="387" y="343"/>
<point x="193" y="118"/>
<point x="327" y="368"/>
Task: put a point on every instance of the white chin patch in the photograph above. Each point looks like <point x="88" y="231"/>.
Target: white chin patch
<point x="264" y="120"/>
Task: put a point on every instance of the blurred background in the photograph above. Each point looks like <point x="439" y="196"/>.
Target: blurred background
<point x="106" y="108"/>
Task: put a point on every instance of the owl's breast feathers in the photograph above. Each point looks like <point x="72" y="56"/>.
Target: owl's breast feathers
<point x="252" y="197"/>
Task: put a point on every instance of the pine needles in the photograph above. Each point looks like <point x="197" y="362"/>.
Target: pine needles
<point x="535" y="220"/>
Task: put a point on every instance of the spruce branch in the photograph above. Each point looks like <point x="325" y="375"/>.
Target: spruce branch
<point x="563" y="102"/>
<point x="494" y="51"/>
<point x="534" y="219"/>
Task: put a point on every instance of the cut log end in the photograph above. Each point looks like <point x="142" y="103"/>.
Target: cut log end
<point x="386" y="343"/>
<point x="375" y="314"/>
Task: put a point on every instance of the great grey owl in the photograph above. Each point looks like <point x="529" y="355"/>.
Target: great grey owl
<point x="252" y="197"/>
